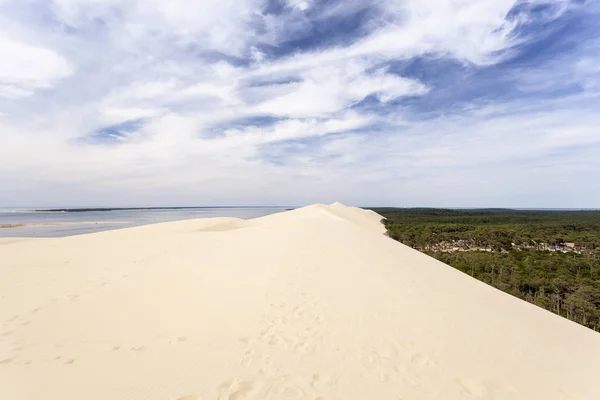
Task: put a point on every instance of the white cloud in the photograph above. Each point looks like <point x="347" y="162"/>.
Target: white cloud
<point x="329" y="89"/>
<point x="296" y="129"/>
<point x="12" y="92"/>
<point x="472" y="31"/>
<point x="25" y="68"/>
<point x="301" y="5"/>
<point x="212" y="24"/>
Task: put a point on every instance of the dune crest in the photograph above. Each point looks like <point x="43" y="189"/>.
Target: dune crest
<point x="315" y="303"/>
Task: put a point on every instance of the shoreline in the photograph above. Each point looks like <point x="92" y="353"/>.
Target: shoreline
<point x="44" y="224"/>
<point x="106" y="209"/>
<point x="65" y="225"/>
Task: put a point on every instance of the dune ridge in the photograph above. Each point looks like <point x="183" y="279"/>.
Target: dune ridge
<point x="315" y="303"/>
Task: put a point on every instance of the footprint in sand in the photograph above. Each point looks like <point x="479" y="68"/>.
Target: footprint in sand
<point x="275" y="340"/>
<point x="322" y="382"/>
<point x="190" y="397"/>
<point x="473" y="388"/>
<point x="298" y="312"/>
<point x="244" y="390"/>
<point x="304" y="348"/>
<point x="286" y="387"/>
<point x="422" y="360"/>
<point x="384" y="378"/>
<point x="14" y="318"/>
<point x="244" y="340"/>
<point x="248" y="358"/>
<point x="286" y="392"/>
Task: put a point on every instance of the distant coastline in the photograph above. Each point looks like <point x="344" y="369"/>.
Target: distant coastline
<point x="287" y="208"/>
<point x="94" y="209"/>
<point x="77" y="220"/>
<point x="38" y="225"/>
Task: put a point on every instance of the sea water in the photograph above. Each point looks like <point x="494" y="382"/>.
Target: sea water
<point x="82" y="222"/>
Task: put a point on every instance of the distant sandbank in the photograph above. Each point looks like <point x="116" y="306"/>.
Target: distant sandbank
<point x="8" y="226"/>
<point x="100" y="209"/>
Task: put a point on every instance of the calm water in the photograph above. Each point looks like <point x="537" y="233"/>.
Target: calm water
<point x="87" y="222"/>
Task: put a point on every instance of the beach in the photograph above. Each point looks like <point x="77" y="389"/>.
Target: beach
<point x="314" y="303"/>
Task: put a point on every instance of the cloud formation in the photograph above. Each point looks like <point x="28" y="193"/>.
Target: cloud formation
<point x="230" y="102"/>
<point x="26" y="68"/>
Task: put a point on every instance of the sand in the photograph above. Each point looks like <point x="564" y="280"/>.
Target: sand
<point x="314" y="303"/>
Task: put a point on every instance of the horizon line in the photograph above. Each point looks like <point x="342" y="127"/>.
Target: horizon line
<point x="104" y="209"/>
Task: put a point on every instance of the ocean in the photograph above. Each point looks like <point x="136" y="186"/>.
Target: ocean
<point x="69" y="223"/>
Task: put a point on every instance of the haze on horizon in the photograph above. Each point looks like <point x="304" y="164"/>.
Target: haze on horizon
<point x="441" y="103"/>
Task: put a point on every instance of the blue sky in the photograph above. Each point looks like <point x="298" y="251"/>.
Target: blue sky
<point x="448" y="103"/>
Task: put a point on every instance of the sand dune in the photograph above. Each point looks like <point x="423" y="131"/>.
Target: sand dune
<point x="314" y="303"/>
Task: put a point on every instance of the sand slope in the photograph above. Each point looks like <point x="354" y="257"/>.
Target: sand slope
<point x="314" y="303"/>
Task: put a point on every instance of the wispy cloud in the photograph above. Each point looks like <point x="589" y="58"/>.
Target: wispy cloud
<point x="399" y="102"/>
